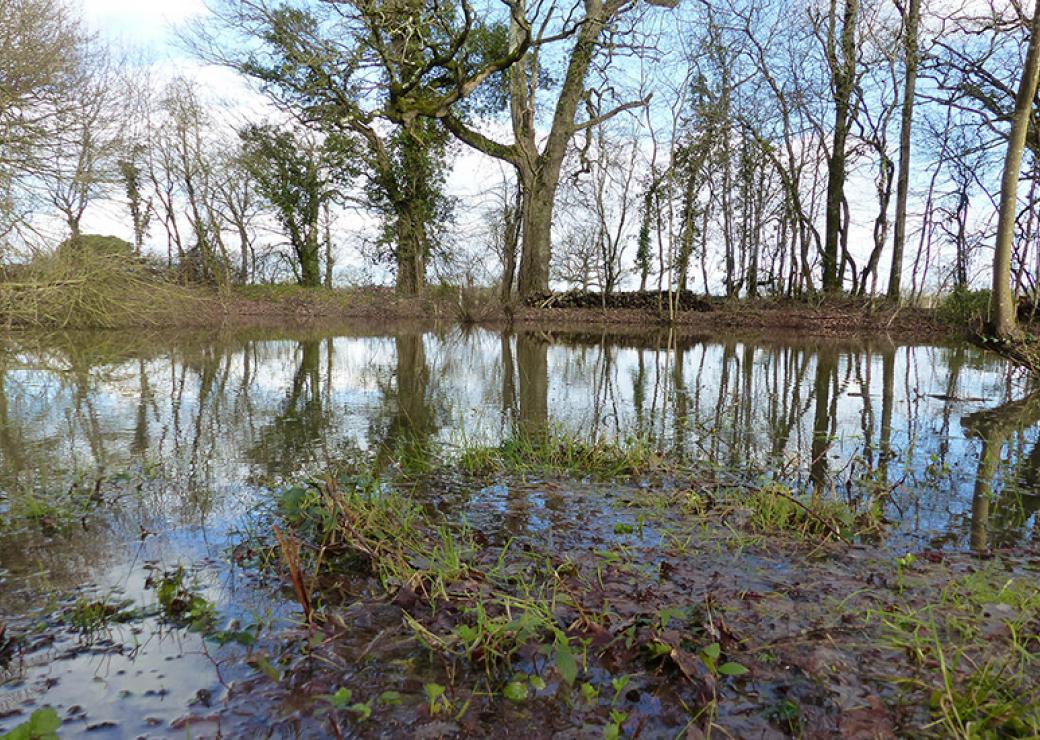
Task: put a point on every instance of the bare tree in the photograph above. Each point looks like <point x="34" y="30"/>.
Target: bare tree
<point x="911" y="13"/>
<point x="43" y="48"/>
<point x="1002" y="323"/>
<point x="84" y="165"/>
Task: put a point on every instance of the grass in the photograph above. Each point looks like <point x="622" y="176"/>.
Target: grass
<point x="974" y="653"/>
<point x="364" y="524"/>
<point x="565" y="454"/>
<point x="774" y="507"/>
<point x="527" y="623"/>
<point x="90" y="617"/>
<point x="292" y="293"/>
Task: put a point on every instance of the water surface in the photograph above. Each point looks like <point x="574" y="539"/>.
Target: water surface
<point x="174" y="441"/>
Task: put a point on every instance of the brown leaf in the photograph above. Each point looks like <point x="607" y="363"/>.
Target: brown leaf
<point x="695" y="671"/>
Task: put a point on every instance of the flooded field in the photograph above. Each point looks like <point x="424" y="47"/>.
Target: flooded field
<point x="138" y="475"/>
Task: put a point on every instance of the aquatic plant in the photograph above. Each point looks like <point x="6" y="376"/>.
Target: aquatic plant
<point x="181" y="602"/>
<point x="92" y="616"/>
<point x="42" y="724"/>
<point x="562" y="453"/>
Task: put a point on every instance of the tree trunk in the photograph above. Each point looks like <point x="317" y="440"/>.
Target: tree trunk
<point x="1002" y="303"/>
<point x="906" y="124"/>
<point x="686" y="235"/>
<point x="310" y="264"/>
<point x="243" y="240"/>
<point x="835" y="191"/>
<point x="511" y="225"/>
<point x="536" y="240"/>
<point x="411" y="252"/>
<point x="329" y="261"/>
<point x="880" y="225"/>
<point x="843" y="74"/>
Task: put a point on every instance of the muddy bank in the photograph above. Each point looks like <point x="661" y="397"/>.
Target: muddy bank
<point x="627" y="313"/>
<point x="161" y="305"/>
<point x="526" y="607"/>
<point x="837" y="318"/>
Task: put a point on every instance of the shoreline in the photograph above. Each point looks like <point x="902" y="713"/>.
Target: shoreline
<point x="838" y="318"/>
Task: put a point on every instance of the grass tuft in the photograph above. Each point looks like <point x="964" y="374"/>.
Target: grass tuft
<point x="563" y="454"/>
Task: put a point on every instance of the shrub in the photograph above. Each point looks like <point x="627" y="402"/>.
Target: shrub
<point x="964" y="306"/>
<point x="95" y="282"/>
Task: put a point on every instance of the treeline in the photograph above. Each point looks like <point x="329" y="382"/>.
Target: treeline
<point x="743" y="147"/>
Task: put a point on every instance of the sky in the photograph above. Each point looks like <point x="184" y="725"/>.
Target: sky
<point x="151" y="28"/>
<point x="141" y="22"/>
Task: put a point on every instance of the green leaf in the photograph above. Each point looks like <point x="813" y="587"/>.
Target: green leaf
<point x="341" y="699"/>
<point x="362" y="709"/>
<point x="390" y="697"/>
<point x="515" y="691"/>
<point x="713" y="651"/>
<point x="590" y="693"/>
<point x="42" y="724"/>
<point x="620" y="683"/>
<point x="732" y="669"/>
<point x="565" y="662"/>
<point x="537" y="683"/>
<point x="658" y="649"/>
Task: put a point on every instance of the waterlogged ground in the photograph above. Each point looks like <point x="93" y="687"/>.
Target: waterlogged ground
<point x="726" y="536"/>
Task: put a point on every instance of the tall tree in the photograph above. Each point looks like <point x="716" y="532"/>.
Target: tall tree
<point x="364" y="69"/>
<point x="539" y="167"/>
<point x="839" y="41"/>
<point x="911" y="20"/>
<point x="1002" y="322"/>
<point x="298" y="176"/>
<point x="43" y="50"/>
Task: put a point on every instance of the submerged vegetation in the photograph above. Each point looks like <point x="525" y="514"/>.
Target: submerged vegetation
<point x="650" y="610"/>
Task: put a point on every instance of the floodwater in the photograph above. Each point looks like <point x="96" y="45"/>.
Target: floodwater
<point x="124" y="456"/>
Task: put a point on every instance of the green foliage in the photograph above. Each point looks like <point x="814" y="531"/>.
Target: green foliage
<point x="325" y="67"/>
<point x="644" y="252"/>
<point x="710" y="657"/>
<point x="180" y="603"/>
<point x="409" y="193"/>
<point x="563" y="453"/>
<point x="297" y="175"/>
<point x="963" y="306"/>
<point x="43" y="724"/>
<point x="89" y="617"/>
<point x="773" y="507"/>
<point x="437" y="701"/>
<point x="343" y="700"/>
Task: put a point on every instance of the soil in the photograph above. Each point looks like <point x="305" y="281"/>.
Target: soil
<point x="810" y="630"/>
<point x="625" y="313"/>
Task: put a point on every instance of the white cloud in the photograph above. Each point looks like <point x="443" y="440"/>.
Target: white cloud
<point x="141" y="22"/>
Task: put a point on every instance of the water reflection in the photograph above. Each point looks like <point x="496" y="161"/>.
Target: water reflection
<point x="205" y="418"/>
<point x="1005" y="512"/>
